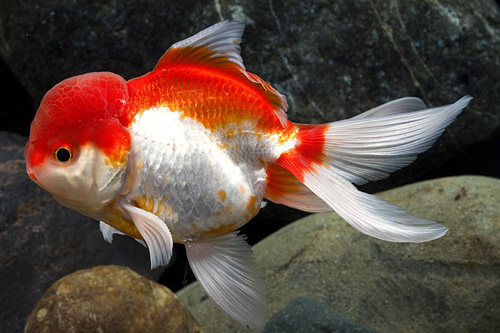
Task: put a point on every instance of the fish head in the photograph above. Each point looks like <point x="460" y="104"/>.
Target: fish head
<point x="78" y="145"/>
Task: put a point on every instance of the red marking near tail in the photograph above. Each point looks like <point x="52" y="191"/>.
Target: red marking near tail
<point x="309" y="150"/>
<point x="280" y="182"/>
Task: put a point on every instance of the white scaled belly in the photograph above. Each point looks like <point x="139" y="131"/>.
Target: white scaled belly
<point x="197" y="181"/>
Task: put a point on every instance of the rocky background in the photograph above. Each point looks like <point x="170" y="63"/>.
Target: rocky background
<point x="448" y="285"/>
<point x="332" y="60"/>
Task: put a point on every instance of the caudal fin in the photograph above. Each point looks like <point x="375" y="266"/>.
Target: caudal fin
<point x="330" y="158"/>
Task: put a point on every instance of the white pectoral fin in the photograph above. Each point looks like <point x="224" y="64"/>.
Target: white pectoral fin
<point x="108" y="232"/>
<point x="155" y="232"/>
<point x="368" y="213"/>
<point x="226" y="268"/>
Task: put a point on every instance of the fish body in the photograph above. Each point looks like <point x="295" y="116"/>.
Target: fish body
<point x="187" y="153"/>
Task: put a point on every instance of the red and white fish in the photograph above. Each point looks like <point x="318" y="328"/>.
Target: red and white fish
<point x="187" y="153"/>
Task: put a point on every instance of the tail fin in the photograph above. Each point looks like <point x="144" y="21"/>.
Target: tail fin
<point x="329" y="158"/>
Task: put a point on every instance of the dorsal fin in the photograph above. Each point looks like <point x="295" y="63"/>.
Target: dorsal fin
<point x="221" y="41"/>
<point x="218" y="47"/>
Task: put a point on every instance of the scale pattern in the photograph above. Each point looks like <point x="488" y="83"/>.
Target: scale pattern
<point x="198" y="181"/>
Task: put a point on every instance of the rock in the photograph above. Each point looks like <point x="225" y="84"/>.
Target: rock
<point x="451" y="284"/>
<point x="331" y="59"/>
<point x="109" y="299"/>
<point x="304" y="314"/>
<point x="41" y="241"/>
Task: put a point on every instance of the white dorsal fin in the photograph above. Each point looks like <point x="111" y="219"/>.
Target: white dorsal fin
<point x="154" y="231"/>
<point x="223" y="38"/>
<point x="226" y="268"/>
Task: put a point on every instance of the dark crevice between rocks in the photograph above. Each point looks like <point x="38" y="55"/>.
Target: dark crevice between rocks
<point x="14" y="101"/>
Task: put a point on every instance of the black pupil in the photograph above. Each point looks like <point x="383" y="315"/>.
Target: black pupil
<point x="63" y="155"/>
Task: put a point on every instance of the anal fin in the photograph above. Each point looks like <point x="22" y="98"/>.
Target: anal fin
<point x="284" y="188"/>
<point x="368" y="213"/>
<point x="226" y="268"/>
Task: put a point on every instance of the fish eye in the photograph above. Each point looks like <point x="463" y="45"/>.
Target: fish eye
<point x="62" y="154"/>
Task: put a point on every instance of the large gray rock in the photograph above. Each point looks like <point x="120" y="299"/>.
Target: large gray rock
<point x="304" y="314"/>
<point x="41" y="241"/>
<point x="332" y="59"/>
<point x="451" y="284"/>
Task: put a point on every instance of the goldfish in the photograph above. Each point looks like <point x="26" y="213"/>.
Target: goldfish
<point x="191" y="151"/>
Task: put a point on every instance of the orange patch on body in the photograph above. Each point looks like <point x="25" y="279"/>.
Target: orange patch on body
<point x="117" y="220"/>
<point x="144" y="203"/>
<point x="223" y="147"/>
<point x="222" y="229"/>
<point x="253" y="206"/>
<point x="221" y="195"/>
<point x="163" y="211"/>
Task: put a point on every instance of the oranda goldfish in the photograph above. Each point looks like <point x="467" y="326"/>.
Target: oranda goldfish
<point x="187" y="153"/>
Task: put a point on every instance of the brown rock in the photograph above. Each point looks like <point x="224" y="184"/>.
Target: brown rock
<point x="109" y="299"/>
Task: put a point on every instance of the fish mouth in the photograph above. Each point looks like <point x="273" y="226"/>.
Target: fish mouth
<point x="31" y="174"/>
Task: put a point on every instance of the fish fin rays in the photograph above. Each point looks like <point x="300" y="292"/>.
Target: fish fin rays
<point x="398" y="106"/>
<point x="226" y="268"/>
<point x="368" y="213"/>
<point x="216" y="44"/>
<point x="284" y="188"/>
<point x="369" y="148"/>
<point x="273" y="96"/>
<point x="108" y="232"/>
<point x="362" y="149"/>
<point x="218" y="47"/>
<point x="155" y="232"/>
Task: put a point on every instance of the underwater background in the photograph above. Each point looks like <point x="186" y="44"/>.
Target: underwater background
<point x="333" y="60"/>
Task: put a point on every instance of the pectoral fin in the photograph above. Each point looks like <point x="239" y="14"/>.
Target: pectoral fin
<point x="155" y="232"/>
<point x="108" y="232"/>
<point x="226" y="268"/>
